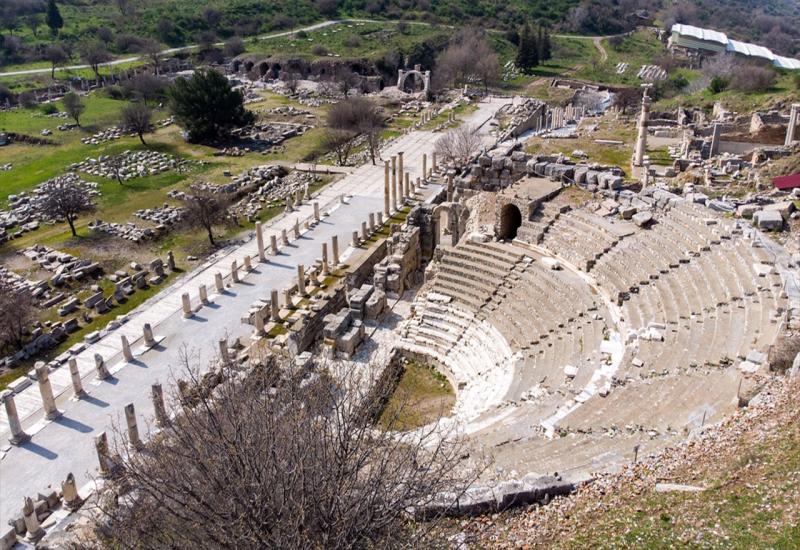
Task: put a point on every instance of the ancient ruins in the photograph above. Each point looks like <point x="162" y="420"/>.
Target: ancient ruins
<point x="584" y="313"/>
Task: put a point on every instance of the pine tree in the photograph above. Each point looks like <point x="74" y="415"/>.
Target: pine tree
<point x="53" y="17"/>
<point x="527" y="51"/>
<point x="545" y="48"/>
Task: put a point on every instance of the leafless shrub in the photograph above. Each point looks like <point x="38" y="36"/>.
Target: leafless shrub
<point x="282" y="458"/>
<point x="468" y="58"/>
<point x="233" y="46"/>
<point x="752" y="78"/>
<point x="459" y="145"/>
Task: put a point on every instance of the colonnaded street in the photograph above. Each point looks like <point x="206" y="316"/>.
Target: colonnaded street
<point x="66" y="444"/>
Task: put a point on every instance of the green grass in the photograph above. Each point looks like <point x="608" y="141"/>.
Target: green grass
<point x="423" y="395"/>
<point x="784" y="91"/>
<point x="744" y="506"/>
<point x="641" y="48"/>
<point x="349" y="40"/>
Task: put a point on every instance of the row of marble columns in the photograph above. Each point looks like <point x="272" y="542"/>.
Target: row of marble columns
<point x="398" y="187"/>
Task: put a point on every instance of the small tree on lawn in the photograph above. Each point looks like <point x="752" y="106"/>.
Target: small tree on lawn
<point x="74" y="106"/>
<point x="207" y="107"/>
<point x="65" y="199"/>
<point x="137" y="117"/>
<point x="206" y="209"/>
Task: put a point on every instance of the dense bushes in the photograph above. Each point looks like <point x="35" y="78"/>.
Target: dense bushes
<point x="750" y="78"/>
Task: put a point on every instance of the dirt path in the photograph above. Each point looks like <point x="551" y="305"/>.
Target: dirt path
<point x="598" y="43"/>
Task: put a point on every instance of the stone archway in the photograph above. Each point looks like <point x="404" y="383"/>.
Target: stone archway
<point x="417" y="75"/>
<point x="510" y="221"/>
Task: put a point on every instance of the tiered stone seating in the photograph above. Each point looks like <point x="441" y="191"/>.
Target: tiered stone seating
<point x="512" y="326"/>
<point x="533" y="231"/>
<point x="581" y="238"/>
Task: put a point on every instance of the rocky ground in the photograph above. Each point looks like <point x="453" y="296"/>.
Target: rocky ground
<point x="733" y="485"/>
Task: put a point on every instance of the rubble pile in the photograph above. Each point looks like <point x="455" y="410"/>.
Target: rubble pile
<point x="165" y="215"/>
<point x="116" y="132"/>
<point x="128" y="231"/>
<point x="64" y="267"/>
<point x="272" y="192"/>
<point x="272" y="133"/>
<point x="131" y="164"/>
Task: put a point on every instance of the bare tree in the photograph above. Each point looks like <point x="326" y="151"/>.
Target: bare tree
<point x="206" y="208"/>
<point x="66" y="200"/>
<point x="233" y="46"/>
<point x="56" y="55"/>
<point x="152" y="49"/>
<point x="340" y="142"/>
<point x="369" y="121"/>
<point x="292" y="81"/>
<point x="356" y="116"/>
<point x="346" y="79"/>
<point x="627" y="98"/>
<point x="74" y="106"/>
<point x="94" y="54"/>
<point x="137" y="117"/>
<point x="468" y="57"/>
<point x="459" y="145"/>
<point x="282" y="458"/>
<point x="148" y="86"/>
<point x="16" y="313"/>
<point x="115" y="164"/>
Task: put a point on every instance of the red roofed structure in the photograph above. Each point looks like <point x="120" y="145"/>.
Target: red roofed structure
<point x="787" y="182"/>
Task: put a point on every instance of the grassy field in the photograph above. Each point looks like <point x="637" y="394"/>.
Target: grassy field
<point x="367" y="40"/>
<point x="607" y="128"/>
<point x="784" y="92"/>
<point x="640" y="48"/>
<point x="423" y="395"/>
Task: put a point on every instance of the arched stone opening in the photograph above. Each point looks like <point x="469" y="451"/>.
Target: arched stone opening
<point x="510" y="221"/>
<point x="413" y="83"/>
<point x="263" y="68"/>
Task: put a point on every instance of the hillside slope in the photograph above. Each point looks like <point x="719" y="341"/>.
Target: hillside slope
<point x="749" y="468"/>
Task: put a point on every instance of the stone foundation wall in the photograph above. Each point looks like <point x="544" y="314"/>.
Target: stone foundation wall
<point x="361" y="271"/>
<point x="305" y="332"/>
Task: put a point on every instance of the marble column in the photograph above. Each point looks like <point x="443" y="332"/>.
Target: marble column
<point x="335" y="249"/>
<point x="127" y="354"/>
<point x="18" y="435"/>
<point x="75" y="376"/>
<point x="301" y="279"/>
<point x="133" y="427"/>
<point x="386" y="194"/>
<point x="260" y="239"/>
<point x="157" y="394"/>
<point x="46" y="391"/>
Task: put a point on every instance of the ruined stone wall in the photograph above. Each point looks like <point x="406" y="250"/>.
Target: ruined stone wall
<point x="305" y="332"/>
<point x="361" y="271"/>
